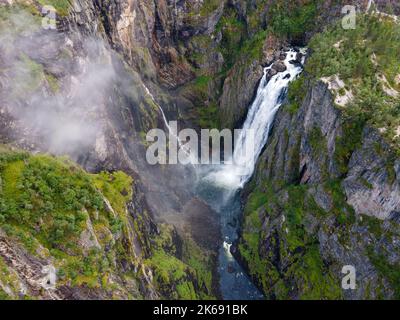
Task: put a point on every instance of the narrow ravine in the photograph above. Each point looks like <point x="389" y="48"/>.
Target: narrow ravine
<point x="221" y="185"/>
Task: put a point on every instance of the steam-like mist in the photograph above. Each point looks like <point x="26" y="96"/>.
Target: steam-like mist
<point x="54" y="88"/>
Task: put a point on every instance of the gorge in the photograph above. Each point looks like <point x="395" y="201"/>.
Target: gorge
<point x="84" y="215"/>
<point x="228" y="179"/>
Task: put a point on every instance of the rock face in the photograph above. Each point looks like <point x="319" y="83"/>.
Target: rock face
<point x="147" y="34"/>
<point x="109" y="52"/>
<point x="80" y="91"/>
<point x="325" y="196"/>
<point x="371" y="185"/>
<point x="314" y="207"/>
<point x="238" y="90"/>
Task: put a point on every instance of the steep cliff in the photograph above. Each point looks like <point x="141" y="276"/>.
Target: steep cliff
<point x="80" y="89"/>
<point x="326" y="191"/>
<point x="72" y="91"/>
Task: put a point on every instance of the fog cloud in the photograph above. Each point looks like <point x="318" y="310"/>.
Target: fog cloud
<point x="55" y="87"/>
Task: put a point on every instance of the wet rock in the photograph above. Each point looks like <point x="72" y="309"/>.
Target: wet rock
<point x="282" y="56"/>
<point x="231" y="268"/>
<point x="238" y="91"/>
<point x="279" y="66"/>
<point x="299" y="57"/>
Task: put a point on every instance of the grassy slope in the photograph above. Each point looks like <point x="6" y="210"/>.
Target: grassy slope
<point x="45" y="203"/>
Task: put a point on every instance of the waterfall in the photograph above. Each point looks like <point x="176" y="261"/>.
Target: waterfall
<point x="220" y="183"/>
<point x="252" y="139"/>
<point x="174" y="134"/>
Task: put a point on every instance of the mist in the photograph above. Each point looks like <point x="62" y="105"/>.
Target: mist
<point x="54" y="87"/>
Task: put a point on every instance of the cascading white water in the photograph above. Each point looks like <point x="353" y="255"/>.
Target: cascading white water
<point x="254" y="136"/>
<point x="221" y="182"/>
<point x="173" y="132"/>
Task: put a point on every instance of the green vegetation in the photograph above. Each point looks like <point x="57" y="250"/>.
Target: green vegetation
<point x="116" y="187"/>
<point x="249" y="247"/>
<point x="19" y="6"/>
<point x="317" y="141"/>
<point x="202" y="264"/>
<point x="348" y="142"/>
<point x="49" y="206"/>
<point x="256" y="15"/>
<point x="62" y="6"/>
<point x="296" y="94"/>
<point x="233" y="32"/>
<point x="169" y="269"/>
<point x="236" y="42"/>
<point x="29" y="76"/>
<point x="292" y="243"/>
<point x="317" y="281"/>
<point x="366" y="59"/>
<point x="175" y="278"/>
<point x="47" y="192"/>
<point x="201" y="83"/>
<point x="344" y="213"/>
<point x="48" y="203"/>
<point x="208" y="7"/>
<point x="387" y="270"/>
<point x="292" y="19"/>
<point x="252" y="48"/>
<point x="374" y="225"/>
<point x="53" y="82"/>
<point x="7" y="278"/>
<point x="209" y="117"/>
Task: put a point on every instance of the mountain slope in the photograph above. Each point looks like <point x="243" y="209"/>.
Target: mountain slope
<point x="67" y="234"/>
<point x="326" y="192"/>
